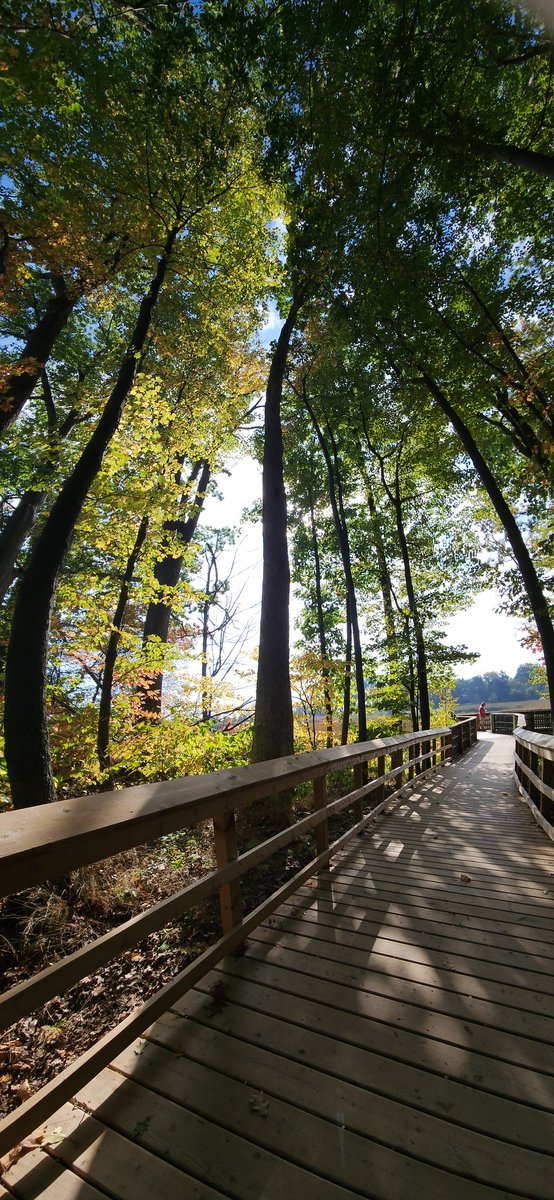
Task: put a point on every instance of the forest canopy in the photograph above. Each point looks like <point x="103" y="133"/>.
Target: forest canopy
<point x="379" y="176"/>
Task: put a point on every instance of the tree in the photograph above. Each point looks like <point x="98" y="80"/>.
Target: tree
<point x="197" y="183"/>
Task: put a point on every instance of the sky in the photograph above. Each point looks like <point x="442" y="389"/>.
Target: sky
<point x="493" y="636"/>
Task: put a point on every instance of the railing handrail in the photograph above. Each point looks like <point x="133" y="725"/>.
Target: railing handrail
<point x="540" y="741"/>
<point x="218" y="800"/>
<point x="40" y="843"/>
<point x="534" y="775"/>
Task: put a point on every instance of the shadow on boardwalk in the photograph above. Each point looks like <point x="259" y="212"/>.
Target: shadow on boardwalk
<point x="386" y="1033"/>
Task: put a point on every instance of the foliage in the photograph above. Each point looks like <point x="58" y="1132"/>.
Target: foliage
<point x="389" y="164"/>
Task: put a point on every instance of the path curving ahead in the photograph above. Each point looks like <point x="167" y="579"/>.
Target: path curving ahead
<point x="387" y="1034"/>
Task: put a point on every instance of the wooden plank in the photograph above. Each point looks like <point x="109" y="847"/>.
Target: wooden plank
<point x="445" y="914"/>
<point x="117" y="1165"/>
<point x="42" y="842"/>
<point x="36" y="1174"/>
<point x="453" y="892"/>
<point x="418" y="872"/>
<point x="516" y="974"/>
<point x="247" y="1029"/>
<point x="457" y="1062"/>
<point x="530" y="1053"/>
<point x="405" y="928"/>
<point x="214" y="1135"/>
<point x="367" y="1112"/>
<point x="302" y="1121"/>
<point x="417" y="972"/>
<point x="422" y="866"/>
<point x="346" y="966"/>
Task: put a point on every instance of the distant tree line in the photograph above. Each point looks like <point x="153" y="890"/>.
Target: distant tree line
<point x="497" y="686"/>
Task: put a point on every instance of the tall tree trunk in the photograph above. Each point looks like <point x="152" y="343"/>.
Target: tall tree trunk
<point x="531" y="581"/>
<point x="26" y="732"/>
<point x="346" y="701"/>
<point x="412" y="679"/>
<point x="421" y="652"/>
<point x="273" y="721"/>
<point x="105" y="710"/>
<point x="516" y="156"/>
<point x="19" y="525"/>
<point x="167" y="573"/>
<point x="19" y="386"/>
<point x="206" y="706"/>
<point x="339" y="517"/>
<point x="385" y="583"/>
<point x="321" y="633"/>
<point x="13" y="536"/>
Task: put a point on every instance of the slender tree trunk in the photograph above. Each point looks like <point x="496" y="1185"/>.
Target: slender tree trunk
<point x="16" y="529"/>
<point x="516" y="156"/>
<point x="206" y="706"/>
<point x="346" y="701"/>
<point x="321" y="632"/>
<point x="531" y="581"/>
<point x="25" y="724"/>
<point x="384" y="581"/>
<point x="339" y="517"/>
<point x="421" y="653"/>
<point x="167" y="573"/>
<point x="273" y="720"/>
<point x="105" y="710"/>
<point x="19" y="386"/>
<point x="412" y="681"/>
<point x="19" y="525"/>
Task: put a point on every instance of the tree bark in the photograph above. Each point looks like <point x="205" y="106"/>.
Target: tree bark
<point x="25" y="721"/>
<point x="273" y="720"/>
<point x="339" y="517"/>
<point x="421" y="653"/>
<point x="384" y="581"/>
<point x="105" y="710"/>
<point x="15" y="531"/>
<point x="516" y="156"/>
<point x="19" y="386"/>
<point x="167" y="573"/>
<point x="347" y="690"/>
<point x="321" y="633"/>
<point x="531" y="581"/>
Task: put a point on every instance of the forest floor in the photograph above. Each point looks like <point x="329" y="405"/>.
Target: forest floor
<point x="46" y="923"/>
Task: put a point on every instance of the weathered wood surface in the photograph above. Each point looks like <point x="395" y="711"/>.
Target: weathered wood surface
<point x="386" y="1034"/>
<point x="46" y="841"/>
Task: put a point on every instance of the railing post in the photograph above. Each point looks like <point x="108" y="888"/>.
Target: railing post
<point x="415" y="752"/>
<point x="548" y="778"/>
<point x="320" y="801"/>
<point x="380" y="791"/>
<point x="225" y="839"/>
<point x="396" y="759"/>
<point x="358" y="805"/>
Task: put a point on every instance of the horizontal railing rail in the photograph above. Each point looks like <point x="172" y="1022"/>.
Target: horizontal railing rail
<point x="42" y="843"/>
<point x="534" y="775"/>
<point x="463" y="734"/>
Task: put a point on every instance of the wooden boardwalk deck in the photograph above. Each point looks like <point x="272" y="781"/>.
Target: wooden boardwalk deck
<point x="387" y="1034"/>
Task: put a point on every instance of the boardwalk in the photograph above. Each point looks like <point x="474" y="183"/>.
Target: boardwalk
<point x="387" y="1034"/>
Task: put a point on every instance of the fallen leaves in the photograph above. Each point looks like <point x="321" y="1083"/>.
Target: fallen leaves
<point x="259" y="1104"/>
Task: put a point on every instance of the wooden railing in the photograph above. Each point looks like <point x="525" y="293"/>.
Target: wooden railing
<point x="43" y="843"/>
<point x="534" y="775"/>
<point x="463" y="734"/>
